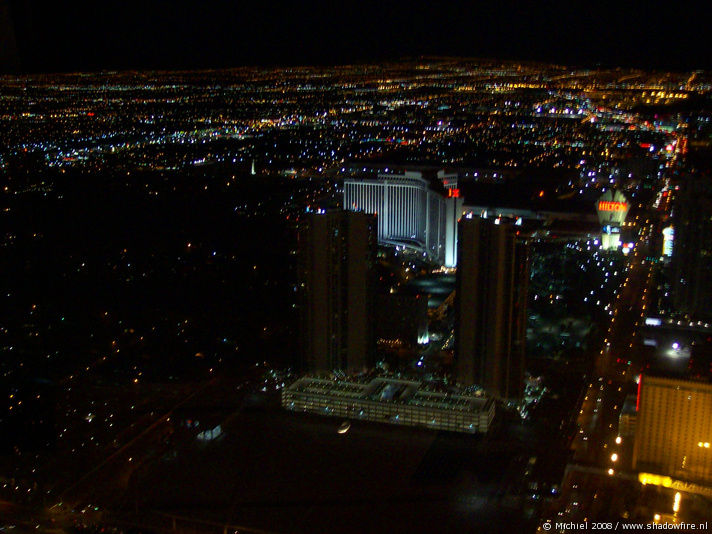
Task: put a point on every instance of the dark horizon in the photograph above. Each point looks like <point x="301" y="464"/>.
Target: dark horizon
<point x="161" y="36"/>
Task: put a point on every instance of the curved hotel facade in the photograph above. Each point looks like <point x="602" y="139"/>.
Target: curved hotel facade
<point x="410" y="210"/>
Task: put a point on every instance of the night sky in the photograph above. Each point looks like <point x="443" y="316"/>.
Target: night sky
<point x="174" y="35"/>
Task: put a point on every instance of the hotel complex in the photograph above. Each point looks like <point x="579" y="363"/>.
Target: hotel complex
<point x="419" y="207"/>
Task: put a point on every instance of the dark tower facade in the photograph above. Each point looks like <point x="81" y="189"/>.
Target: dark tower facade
<point x="490" y="305"/>
<point x="692" y="249"/>
<point x="336" y="259"/>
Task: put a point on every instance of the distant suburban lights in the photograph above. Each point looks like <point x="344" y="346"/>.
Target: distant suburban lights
<point x="610" y="205"/>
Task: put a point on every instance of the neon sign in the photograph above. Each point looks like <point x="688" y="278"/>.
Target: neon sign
<point x="610" y="205"/>
<point x="453" y="193"/>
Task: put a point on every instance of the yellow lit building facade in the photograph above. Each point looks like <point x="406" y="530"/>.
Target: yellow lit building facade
<point x="674" y="429"/>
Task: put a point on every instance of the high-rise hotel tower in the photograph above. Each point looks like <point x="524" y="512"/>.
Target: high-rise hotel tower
<point x="490" y="307"/>
<point x="336" y="258"/>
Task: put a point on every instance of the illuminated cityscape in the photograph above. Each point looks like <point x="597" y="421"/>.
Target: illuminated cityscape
<point x="352" y="288"/>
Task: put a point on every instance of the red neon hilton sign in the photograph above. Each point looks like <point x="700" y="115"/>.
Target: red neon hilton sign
<point x="609" y="205"/>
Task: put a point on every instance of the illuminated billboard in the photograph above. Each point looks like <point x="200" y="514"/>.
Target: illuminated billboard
<point x="607" y="205"/>
<point x="612" y="209"/>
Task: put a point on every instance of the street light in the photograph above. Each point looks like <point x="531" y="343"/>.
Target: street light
<point x="618" y="440"/>
<point x="614" y="457"/>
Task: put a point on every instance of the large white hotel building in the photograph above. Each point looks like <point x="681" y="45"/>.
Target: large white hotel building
<point x="413" y="210"/>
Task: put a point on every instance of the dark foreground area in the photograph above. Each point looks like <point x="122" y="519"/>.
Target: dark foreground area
<point x="282" y="472"/>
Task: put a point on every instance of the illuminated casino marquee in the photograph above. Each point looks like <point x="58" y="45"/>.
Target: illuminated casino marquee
<point x="612" y="208"/>
<point x="610" y="205"/>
